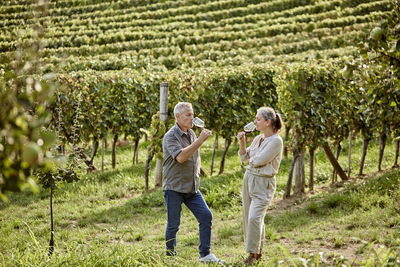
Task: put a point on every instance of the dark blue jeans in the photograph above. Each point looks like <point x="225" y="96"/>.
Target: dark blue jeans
<point x="196" y="204"/>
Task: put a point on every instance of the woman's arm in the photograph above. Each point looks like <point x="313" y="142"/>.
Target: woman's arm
<point x="242" y="143"/>
<point x="244" y="157"/>
<point x="243" y="151"/>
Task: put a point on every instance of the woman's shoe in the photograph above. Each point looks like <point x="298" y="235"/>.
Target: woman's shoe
<point x="252" y="258"/>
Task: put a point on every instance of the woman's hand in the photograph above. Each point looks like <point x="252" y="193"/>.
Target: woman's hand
<point x="241" y="136"/>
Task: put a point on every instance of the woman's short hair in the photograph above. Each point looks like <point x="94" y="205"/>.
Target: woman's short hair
<point x="269" y="114"/>
<point x="180" y="107"/>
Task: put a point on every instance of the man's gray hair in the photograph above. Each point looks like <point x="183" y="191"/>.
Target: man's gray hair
<point x="180" y="107"/>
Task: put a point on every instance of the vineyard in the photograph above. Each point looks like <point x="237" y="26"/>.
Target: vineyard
<point x="77" y="74"/>
<point x="88" y="37"/>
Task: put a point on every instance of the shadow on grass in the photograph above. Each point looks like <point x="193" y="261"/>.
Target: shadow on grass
<point x="224" y="192"/>
<point x="107" y="175"/>
<point x="26" y="197"/>
<point x="138" y="207"/>
<point x="221" y="191"/>
<point x="21" y="199"/>
<point x="352" y="198"/>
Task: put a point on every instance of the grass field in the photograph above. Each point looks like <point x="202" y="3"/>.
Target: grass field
<point x="107" y="219"/>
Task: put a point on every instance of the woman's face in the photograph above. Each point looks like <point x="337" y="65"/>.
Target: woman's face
<point x="260" y="122"/>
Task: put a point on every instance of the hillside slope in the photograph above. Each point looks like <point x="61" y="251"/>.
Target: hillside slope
<point x="86" y="35"/>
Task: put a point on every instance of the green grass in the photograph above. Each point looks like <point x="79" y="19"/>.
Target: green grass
<point x="107" y="219"/>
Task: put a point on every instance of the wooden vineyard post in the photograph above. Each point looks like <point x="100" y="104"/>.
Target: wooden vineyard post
<point x="163" y="117"/>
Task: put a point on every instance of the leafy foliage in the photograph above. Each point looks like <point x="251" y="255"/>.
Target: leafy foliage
<point x="381" y="51"/>
<point x="156" y="134"/>
<point x="312" y="103"/>
<point x="53" y="178"/>
<point x="24" y="97"/>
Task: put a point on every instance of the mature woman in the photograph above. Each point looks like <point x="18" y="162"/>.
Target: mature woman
<point x="259" y="183"/>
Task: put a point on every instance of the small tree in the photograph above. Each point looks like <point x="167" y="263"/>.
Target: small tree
<point x="52" y="178"/>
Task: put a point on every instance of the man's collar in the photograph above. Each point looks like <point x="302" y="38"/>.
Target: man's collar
<point x="179" y="129"/>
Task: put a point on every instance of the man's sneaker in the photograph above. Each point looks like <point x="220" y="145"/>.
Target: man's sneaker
<point x="171" y="259"/>
<point x="210" y="258"/>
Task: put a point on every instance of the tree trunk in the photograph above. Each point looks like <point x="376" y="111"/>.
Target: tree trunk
<point x="135" y="152"/>
<point x="311" y="163"/>
<point x="102" y="153"/>
<point x="113" y="153"/>
<point x="296" y="154"/>
<point x="51" y="244"/>
<point x="80" y="152"/>
<point x="147" y="169"/>
<point x="349" y="155"/>
<point x="382" y="144"/>
<point x="396" y="157"/>
<point x="213" y="154"/>
<point x="202" y="172"/>
<point x="285" y="149"/>
<point x="158" y="173"/>
<point x="364" y="154"/>
<point x="334" y="174"/>
<point x="299" y="175"/>
<point x="227" y="144"/>
<point x="95" y="147"/>
<point x="335" y="164"/>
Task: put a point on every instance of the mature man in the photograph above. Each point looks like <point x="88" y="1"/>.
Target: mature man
<point x="181" y="180"/>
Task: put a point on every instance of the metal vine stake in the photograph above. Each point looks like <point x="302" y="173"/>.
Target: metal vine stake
<point x="59" y="121"/>
<point x="51" y="244"/>
<point x="75" y="131"/>
<point x="72" y="166"/>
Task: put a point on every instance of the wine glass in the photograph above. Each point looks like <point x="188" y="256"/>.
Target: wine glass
<point x="249" y="127"/>
<point x="198" y="122"/>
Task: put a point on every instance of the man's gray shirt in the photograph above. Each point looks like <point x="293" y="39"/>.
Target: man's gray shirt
<point x="180" y="177"/>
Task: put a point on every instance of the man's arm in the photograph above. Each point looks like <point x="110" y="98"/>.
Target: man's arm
<point x="188" y="151"/>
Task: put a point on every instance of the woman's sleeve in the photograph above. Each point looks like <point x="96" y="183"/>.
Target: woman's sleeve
<point x="267" y="154"/>
<point x="246" y="157"/>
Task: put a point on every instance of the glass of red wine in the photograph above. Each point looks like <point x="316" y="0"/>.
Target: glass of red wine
<point x="198" y="122"/>
<point x="249" y="127"/>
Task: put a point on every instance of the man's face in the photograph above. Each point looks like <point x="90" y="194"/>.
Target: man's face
<point x="185" y="119"/>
